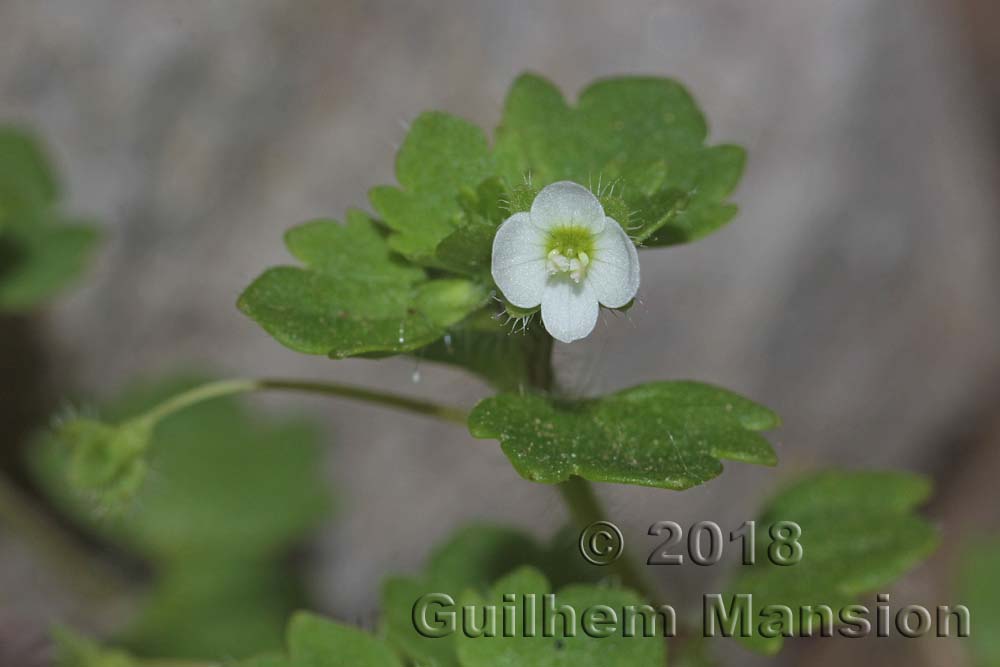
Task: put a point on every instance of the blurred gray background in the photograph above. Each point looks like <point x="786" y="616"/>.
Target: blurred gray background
<point x="855" y="293"/>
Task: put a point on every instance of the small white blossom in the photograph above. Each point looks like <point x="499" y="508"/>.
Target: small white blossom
<point x="566" y="256"/>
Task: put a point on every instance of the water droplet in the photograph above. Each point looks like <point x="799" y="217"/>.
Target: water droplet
<point x="416" y="376"/>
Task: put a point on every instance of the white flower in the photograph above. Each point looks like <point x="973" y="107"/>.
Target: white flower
<point x="567" y="256"/>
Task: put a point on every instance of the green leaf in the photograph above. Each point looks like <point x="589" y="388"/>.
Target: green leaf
<point x="312" y="642"/>
<point x="665" y="434"/>
<point x="639" y="142"/>
<point x="27" y="182"/>
<point x="229" y="483"/>
<point x="859" y="533"/>
<point x="642" y="138"/>
<point x="441" y="156"/>
<point x="218" y="606"/>
<point x="266" y="660"/>
<point x="38" y="260"/>
<point x="40" y="250"/>
<point x="355" y="297"/>
<point x="357" y="248"/>
<point x="468" y="249"/>
<point x="229" y="495"/>
<point x="979" y="589"/>
<point x="560" y="649"/>
<point x="476" y="555"/>
<point x="74" y="650"/>
<point x="316" y="642"/>
<point x="473" y="558"/>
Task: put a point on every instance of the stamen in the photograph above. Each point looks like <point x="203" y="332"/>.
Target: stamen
<point x="567" y="260"/>
<point x="557" y="263"/>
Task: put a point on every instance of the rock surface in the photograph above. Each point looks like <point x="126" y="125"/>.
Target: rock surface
<point x="855" y="293"/>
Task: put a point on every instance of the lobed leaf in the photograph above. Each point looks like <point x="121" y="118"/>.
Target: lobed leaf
<point x="859" y="532"/>
<point x="354" y="297"/>
<point x="562" y="649"/>
<point x="468" y="249"/>
<point x="441" y="156"/>
<point x="639" y="142"/>
<point x="642" y="137"/>
<point x="666" y="434"/>
<point x="472" y="558"/>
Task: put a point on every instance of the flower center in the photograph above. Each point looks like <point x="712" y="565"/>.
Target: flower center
<point x="569" y="251"/>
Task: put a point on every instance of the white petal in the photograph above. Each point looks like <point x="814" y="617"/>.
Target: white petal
<point x="614" y="268"/>
<point x="519" y="261"/>
<point x="567" y="203"/>
<point x="569" y="309"/>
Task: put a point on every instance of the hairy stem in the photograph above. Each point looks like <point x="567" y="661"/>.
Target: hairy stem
<point x="89" y="574"/>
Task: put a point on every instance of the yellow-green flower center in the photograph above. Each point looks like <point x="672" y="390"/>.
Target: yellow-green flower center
<point x="569" y="250"/>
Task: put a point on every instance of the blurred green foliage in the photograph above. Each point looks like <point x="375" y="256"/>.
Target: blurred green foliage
<point x="473" y="558"/>
<point x="107" y="462"/>
<point x="74" y="650"/>
<point x="579" y="649"/>
<point x="41" y="249"/>
<point x="859" y="531"/>
<point x="979" y="590"/>
<point x="228" y="494"/>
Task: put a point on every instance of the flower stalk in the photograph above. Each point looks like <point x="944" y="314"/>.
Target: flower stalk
<point x="241" y="386"/>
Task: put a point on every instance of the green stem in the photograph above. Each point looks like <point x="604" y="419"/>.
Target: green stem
<point x="90" y="575"/>
<point x="240" y="386"/>
<point x="583" y="504"/>
<point x="541" y="374"/>
<point x="585" y="508"/>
